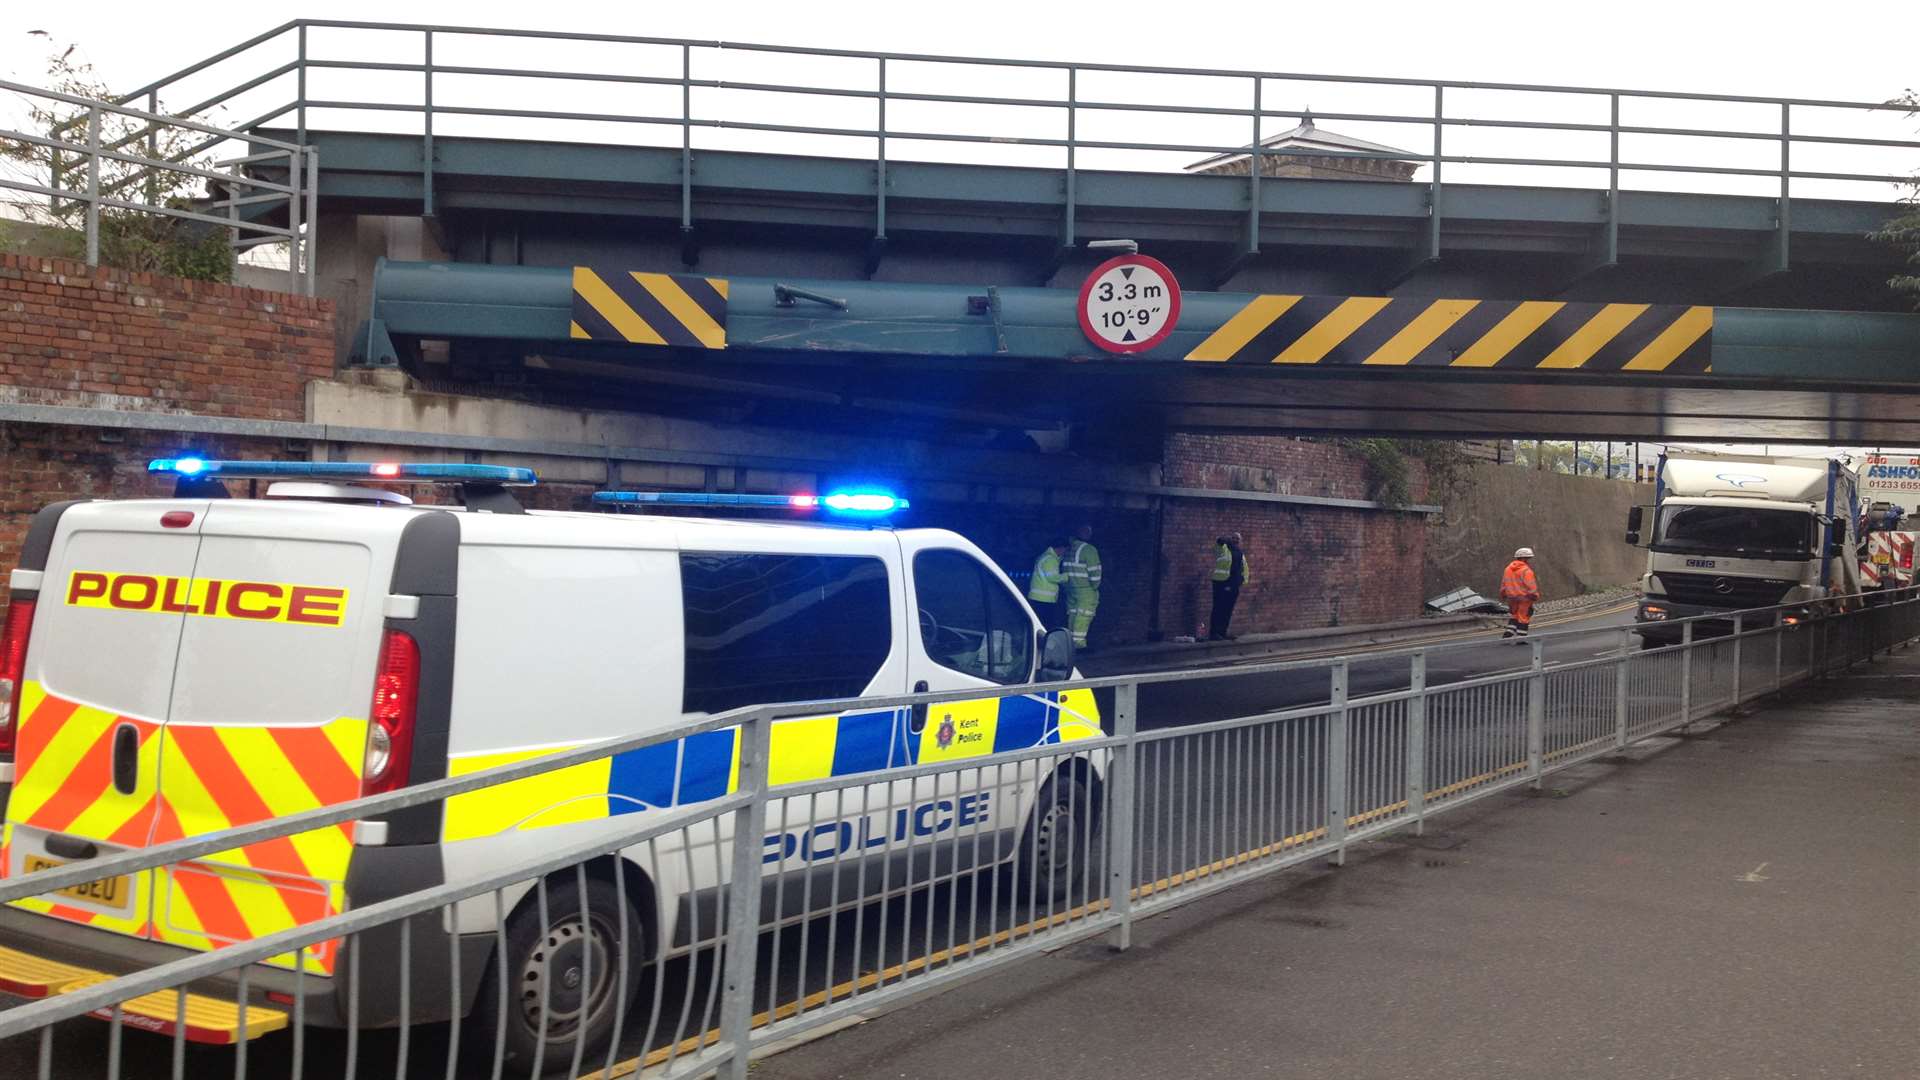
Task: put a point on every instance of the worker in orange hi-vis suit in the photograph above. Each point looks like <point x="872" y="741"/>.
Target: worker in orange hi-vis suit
<point x="1521" y="590"/>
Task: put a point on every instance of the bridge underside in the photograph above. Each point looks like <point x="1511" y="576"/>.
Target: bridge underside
<point x="1118" y="403"/>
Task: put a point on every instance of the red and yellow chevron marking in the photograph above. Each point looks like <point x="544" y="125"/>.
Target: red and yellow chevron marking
<point x="218" y="778"/>
<point x="1533" y="335"/>
<point x="64" y="784"/>
<point x="193" y="780"/>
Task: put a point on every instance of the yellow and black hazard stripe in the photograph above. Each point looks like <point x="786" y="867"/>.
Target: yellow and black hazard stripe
<point x="1541" y="335"/>
<point x="649" y="309"/>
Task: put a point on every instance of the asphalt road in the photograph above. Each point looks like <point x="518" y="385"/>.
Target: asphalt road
<point x="1215" y="795"/>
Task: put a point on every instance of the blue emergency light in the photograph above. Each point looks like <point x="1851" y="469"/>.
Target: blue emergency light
<point x="391" y="471"/>
<point x="851" y="503"/>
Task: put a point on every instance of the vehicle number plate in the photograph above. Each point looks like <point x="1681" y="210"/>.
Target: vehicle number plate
<point x="113" y="892"/>
<point x="1881" y="558"/>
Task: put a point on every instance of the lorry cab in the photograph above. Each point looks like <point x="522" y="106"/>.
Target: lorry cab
<point x="185" y="665"/>
<point x="1733" y="532"/>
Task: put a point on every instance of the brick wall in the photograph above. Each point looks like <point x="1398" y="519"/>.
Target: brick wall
<point x="107" y="338"/>
<point x="1312" y="566"/>
<point x="46" y="463"/>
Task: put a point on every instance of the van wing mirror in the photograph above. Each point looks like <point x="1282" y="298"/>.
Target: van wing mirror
<point x="1056" y="656"/>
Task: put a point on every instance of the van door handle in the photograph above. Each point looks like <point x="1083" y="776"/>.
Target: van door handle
<point x="126" y="759"/>
<point x="70" y="847"/>
<point x="917" y="722"/>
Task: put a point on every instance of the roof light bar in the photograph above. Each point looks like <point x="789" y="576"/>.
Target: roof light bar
<point x="860" y="503"/>
<point x="399" y="472"/>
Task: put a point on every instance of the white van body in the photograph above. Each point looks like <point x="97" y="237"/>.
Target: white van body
<point x="197" y="664"/>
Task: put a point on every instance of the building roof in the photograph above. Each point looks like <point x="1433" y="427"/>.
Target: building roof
<point x="1306" y="140"/>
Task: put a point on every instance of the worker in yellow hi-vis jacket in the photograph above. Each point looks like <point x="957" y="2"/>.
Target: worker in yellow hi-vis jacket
<point x="1043" y="591"/>
<point x="1081" y="569"/>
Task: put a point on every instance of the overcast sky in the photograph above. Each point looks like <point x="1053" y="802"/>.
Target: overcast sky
<point x="1829" y="50"/>
<point x="1834" y="51"/>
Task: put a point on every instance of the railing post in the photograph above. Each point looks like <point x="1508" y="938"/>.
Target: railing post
<point x="1610" y="253"/>
<point x="312" y="242"/>
<point x="1537" y="715"/>
<point x="1256" y="160"/>
<point x="1622" y="687"/>
<point x="1417" y="743"/>
<point x="686" y="139"/>
<point x="880" y="177"/>
<point x="293" y="220"/>
<point x="426" y="158"/>
<point x="1068" y="237"/>
<point x="153" y="147"/>
<point x="1785" y="225"/>
<point x="743" y="897"/>
<point x="1435" y="189"/>
<point x="56" y="167"/>
<point x="1686" y="673"/>
<point x="1779" y="651"/>
<point x="300" y="87"/>
<point x="1337" y="765"/>
<point x="1737" y="629"/>
<point x="93" y="185"/>
<point x="1121" y="812"/>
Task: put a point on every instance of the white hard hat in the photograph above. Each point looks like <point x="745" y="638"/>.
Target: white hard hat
<point x="1523" y="553"/>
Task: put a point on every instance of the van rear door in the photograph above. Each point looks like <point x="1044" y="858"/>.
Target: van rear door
<point x="268" y="715"/>
<point x="94" y="699"/>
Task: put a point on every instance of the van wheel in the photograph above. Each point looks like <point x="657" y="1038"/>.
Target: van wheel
<point x="1060" y="844"/>
<point x="547" y="975"/>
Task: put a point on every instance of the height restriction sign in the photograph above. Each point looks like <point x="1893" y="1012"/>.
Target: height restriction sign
<point x="1129" y="304"/>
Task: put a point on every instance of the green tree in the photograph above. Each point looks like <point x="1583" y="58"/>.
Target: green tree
<point x="130" y="239"/>
<point x="1904" y="231"/>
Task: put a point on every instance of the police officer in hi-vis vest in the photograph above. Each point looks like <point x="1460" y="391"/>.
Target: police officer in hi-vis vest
<point x="1082" y="571"/>
<point x="1230" y="575"/>
<point x="1043" y="590"/>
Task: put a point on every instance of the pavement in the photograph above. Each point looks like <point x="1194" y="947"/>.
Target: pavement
<point x="1741" y="903"/>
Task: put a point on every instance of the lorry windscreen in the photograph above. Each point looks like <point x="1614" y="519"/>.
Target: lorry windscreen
<point x="1736" y="530"/>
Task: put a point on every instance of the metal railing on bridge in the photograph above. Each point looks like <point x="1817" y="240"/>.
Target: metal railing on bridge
<point x="694" y="95"/>
<point x="102" y="164"/>
<point x="1125" y="824"/>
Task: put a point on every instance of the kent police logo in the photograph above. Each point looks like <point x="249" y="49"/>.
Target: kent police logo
<point x="943" y="738"/>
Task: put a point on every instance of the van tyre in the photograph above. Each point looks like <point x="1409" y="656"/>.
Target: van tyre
<point x="554" y="960"/>
<point x="1060" y="844"/>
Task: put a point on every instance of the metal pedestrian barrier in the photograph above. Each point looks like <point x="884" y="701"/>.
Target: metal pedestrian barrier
<point x="795" y="906"/>
<point x="105" y="164"/>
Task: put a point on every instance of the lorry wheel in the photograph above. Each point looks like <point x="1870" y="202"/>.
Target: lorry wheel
<point x="563" y="978"/>
<point x="1060" y="844"/>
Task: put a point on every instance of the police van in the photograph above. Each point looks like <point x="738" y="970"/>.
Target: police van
<point x="173" y="667"/>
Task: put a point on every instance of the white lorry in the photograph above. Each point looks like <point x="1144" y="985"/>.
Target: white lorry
<point x="1730" y="532"/>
